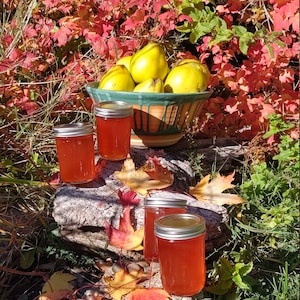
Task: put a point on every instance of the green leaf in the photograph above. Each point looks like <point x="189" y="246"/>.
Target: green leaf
<point x="221" y="288"/>
<point x="193" y="13"/>
<point x="198" y="32"/>
<point x="224" y="36"/>
<point x="246" y="268"/>
<point x="277" y="125"/>
<point x="240" y="270"/>
<point x="237" y="279"/>
<point x="35" y="157"/>
<point x="245" y="37"/>
<point x="239" y="30"/>
<point x="185" y="28"/>
<point x="27" y="259"/>
<point x="226" y="269"/>
<point x="244" y="42"/>
<point x="270" y="50"/>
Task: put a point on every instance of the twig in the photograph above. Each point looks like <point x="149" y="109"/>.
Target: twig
<point x="18" y="272"/>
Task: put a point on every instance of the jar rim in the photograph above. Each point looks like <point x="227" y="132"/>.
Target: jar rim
<point x="73" y="129"/>
<point x="179" y="226"/>
<point x="113" y="109"/>
<point x="164" y="202"/>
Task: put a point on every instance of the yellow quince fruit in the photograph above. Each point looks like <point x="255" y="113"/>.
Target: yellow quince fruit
<point x="151" y="85"/>
<point x="188" y="76"/>
<point x="125" y="60"/>
<point x="117" y="78"/>
<point x="149" y="62"/>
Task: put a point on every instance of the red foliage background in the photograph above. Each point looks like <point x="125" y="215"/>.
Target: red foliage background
<point x="49" y="54"/>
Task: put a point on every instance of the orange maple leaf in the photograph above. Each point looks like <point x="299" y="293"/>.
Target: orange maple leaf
<point x="213" y="191"/>
<point x="148" y="294"/>
<point x="123" y="282"/>
<point x="125" y="237"/>
<point x="150" y="176"/>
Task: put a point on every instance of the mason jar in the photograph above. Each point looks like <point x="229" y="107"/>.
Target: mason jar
<point x="113" y="126"/>
<point x="155" y="208"/>
<point x="75" y="152"/>
<point x="181" y="251"/>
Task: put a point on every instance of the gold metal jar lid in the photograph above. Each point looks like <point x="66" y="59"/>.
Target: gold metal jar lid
<point x="179" y="226"/>
<point x="113" y="109"/>
<point x="73" y="129"/>
<point x="164" y="202"/>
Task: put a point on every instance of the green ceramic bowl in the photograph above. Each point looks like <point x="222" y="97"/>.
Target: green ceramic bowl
<point x="159" y="118"/>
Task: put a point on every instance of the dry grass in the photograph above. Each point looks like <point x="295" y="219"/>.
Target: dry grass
<point x="27" y="157"/>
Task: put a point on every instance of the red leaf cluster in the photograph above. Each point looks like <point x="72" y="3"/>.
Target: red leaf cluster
<point x="65" y="44"/>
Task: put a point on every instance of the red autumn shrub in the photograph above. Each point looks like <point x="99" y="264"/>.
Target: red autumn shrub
<point x="55" y="47"/>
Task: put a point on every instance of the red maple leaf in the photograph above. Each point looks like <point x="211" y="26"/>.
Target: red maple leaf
<point x="136" y="19"/>
<point x="62" y="35"/>
<point x="51" y="3"/>
<point x="155" y="170"/>
<point x="128" y="198"/>
<point x="125" y="237"/>
<point x="286" y="13"/>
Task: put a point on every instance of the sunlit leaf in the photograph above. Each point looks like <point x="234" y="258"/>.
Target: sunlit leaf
<point x="123" y="282"/>
<point x="125" y="237"/>
<point x="150" y="176"/>
<point x="213" y="191"/>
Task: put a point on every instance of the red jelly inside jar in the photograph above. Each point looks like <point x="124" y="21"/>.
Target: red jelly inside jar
<point x="113" y="124"/>
<point x="155" y="208"/>
<point x="75" y="152"/>
<point x="181" y="248"/>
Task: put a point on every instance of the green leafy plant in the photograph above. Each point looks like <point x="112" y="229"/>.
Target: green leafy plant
<point x="277" y="126"/>
<point x="261" y="259"/>
<point x="229" y="274"/>
<point x="206" y="21"/>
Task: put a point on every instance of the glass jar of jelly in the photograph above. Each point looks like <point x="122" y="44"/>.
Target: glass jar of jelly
<point x="181" y="250"/>
<point x="75" y="152"/>
<point x="113" y="125"/>
<point x="155" y="208"/>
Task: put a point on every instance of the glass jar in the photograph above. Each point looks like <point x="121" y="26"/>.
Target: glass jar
<point x="113" y="123"/>
<point x="181" y="248"/>
<point x="155" y="208"/>
<point x="75" y="152"/>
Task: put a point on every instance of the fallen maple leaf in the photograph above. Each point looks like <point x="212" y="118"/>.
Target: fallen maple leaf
<point x="58" y="287"/>
<point x="155" y="170"/>
<point x="128" y="198"/>
<point x="213" y="191"/>
<point x="150" y="176"/>
<point x="125" y="237"/>
<point x="148" y="294"/>
<point x="123" y="282"/>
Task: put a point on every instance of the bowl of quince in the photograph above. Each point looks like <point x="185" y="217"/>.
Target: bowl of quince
<point x="165" y="100"/>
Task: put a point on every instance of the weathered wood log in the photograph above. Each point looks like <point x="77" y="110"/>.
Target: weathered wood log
<point x="81" y="211"/>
